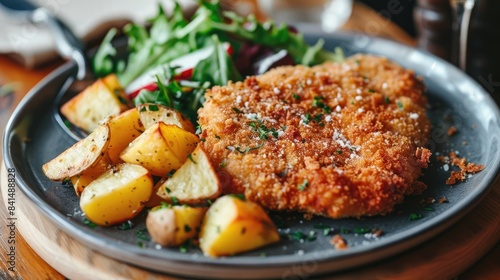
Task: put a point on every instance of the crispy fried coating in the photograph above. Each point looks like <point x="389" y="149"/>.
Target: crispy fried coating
<point x="338" y="140"/>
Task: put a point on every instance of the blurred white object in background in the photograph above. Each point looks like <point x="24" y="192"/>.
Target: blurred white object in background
<point x="336" y="13"/>
<point x="328" y="15"/>
<point x="34" y="45"/>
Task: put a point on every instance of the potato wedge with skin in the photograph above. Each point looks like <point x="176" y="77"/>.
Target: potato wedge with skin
<point x="161" y="148"/>
<point x="233" y="225"/>
<point x="98" y="101"/>
<point x="172" y="226"/>
<point x="194" y="182"/>
<point x="124" y="129"/>
<point x="153" y="113"/>
<point x="82" y="156"/>
<point x="117" y="195"/>
<point x="82" y="180"/>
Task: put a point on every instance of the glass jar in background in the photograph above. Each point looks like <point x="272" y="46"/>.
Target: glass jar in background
<point x="330" y="15"/>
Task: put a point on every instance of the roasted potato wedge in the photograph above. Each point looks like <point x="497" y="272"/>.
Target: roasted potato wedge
<point x="194" y="182"/>
<point x="153" y="113"/>
<point x="117" y="195"/>
<point x="82" y="180"/>
<point x="80" y="157"/>
<point x="233" y="225"/>
<point x="161" y="148"/>
<point x="124" y="129"/>
<point x="173" y="225"/>
<point x="98" y="101"/>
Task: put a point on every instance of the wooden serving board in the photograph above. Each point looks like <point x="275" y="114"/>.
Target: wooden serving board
<point x="443" y="257"/>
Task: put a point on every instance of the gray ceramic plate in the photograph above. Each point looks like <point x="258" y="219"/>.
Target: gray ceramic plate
<point x="455" y="99"/>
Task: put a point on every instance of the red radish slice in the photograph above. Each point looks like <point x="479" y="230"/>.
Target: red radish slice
<point x="185" y="71"/>
<point x="150" y="87"/>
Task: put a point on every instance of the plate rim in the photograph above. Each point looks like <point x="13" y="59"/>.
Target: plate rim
<point x="418" y="234"/>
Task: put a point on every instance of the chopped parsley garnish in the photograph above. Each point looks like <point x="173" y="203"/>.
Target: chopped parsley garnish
<point x="190" y="157"/>
<point x="143" y="109"/>
<point x="429" y="209"/>
<point x="344" y="230"/>
<point x="141" y="234"/>
<point x="371" y="90"/>
<point x="187" y="228"/>
<point x="236" y="110"/>
<point x="125" y="225"/>
<point x="217" y="136"/>
<point x="183" y="249"/>
<point x="188" y="244"/>
<point x="387" y="100"/>
<point x="317" y="118"/>
<point x="164" y="205"/>
<point x="298" y="235"/>
<point x="362" y="230"/>
<point x="168" y="190"/>
<point x="326" y="229"/>
<point x="244" y="151"/>
<point x="88" y="223"/>
<point x="223" y="164"/>
<point x="199" y="130"/>
<point x="68" y="124"/>
<point x="400" y="105"/>
<point x="122" y="99"/>
<point x="317" y="102"/>
<point x="305" y="118"/>
<point x="274" y="133"/>
<point x="67" y="182"/>
<point x="415" y="216"/>
<point x="303" y="185"/>
<point x="262" y="130"/>
<point x="153" y="108"/>
<point x="339" y="152"/>
<point x="238" y="196"/>
<point x="175" y="201"/>
<point x="295" y="96"/>
<point x="171" y="173"/>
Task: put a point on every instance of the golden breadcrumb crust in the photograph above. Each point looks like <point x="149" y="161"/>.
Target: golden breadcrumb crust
<point x="339" y="140"/>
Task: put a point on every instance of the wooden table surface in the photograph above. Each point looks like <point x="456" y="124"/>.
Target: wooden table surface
<point x="483" y="264"/>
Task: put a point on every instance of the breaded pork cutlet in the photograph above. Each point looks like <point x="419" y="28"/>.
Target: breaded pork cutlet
<point x="338" y="140"/>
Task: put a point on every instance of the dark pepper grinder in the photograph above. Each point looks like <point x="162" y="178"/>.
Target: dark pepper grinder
<point x="466" y="33"/>
<point x="481" y="59"/>
<point x="433" y="22"/>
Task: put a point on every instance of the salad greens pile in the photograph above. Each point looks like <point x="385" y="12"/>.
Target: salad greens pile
<point x="170" y="37"/>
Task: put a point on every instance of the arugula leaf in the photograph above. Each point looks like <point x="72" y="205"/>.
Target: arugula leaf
<point x="103" y="59"/>
<point x="218" y="68"/>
